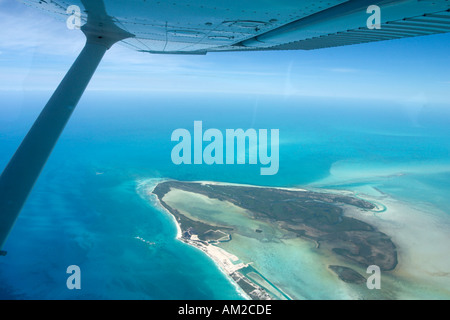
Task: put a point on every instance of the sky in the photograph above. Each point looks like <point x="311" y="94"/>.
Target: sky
<point x="36" y="50"/>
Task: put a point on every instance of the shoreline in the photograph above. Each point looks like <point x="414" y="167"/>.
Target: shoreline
<point x="144" y="183"/>
<point x="217" y="256"/>
<point x="379" y="207"/>
<point x="219" y="183"/>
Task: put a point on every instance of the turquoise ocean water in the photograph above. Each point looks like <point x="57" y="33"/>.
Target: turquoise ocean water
<point x="85" y="209"/>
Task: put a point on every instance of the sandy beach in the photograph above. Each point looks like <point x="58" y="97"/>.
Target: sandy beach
<point x="226" y="262"/>
<point x="247" y="185"/>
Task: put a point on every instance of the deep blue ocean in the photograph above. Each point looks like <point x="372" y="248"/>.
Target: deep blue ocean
<point x="85" y="211"/>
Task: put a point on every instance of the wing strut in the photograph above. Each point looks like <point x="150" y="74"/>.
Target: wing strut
<point x="24" y="168"/>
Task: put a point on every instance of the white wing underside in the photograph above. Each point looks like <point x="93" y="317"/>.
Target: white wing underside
<point x="201" y="26"/>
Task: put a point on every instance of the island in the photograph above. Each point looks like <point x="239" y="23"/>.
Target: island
<point x="211" y="215"/>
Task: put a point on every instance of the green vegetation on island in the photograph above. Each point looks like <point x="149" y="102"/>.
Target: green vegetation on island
<point x="313" y="216"/>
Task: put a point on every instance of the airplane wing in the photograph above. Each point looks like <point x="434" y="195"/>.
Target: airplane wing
<point x="201" y="26"/>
